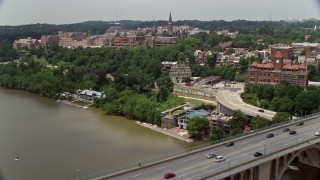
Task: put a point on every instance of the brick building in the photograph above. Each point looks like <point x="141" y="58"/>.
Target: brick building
<point x="73" y="39"/>
<point x="285" y="51"/>
<point x="26" y="43"/>
<point x="277" y="70"/>
<point x="49" y="40"/>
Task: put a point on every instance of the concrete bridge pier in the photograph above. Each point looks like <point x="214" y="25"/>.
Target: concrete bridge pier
<point x="222" y="109"/>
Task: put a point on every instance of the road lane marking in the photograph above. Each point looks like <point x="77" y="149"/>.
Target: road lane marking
<point x="136" y="175"/>
<point x="204" y="168"/>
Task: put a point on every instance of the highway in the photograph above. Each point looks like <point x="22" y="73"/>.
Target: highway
<point x="232" y="100"/>
<point x="197" y="166"/>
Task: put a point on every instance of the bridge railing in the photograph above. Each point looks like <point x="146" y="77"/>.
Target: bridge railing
<point x="193" y="149"/>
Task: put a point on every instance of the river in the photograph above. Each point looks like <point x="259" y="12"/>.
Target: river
<point x="57" y="141"/>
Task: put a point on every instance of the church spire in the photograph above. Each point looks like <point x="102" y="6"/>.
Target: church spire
<point x="170" y="28"/>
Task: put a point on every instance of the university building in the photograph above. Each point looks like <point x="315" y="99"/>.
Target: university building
<point x="277" y="70"/>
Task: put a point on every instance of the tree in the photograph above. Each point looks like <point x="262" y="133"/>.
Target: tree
<point x="238" y="121"/>
<point x="259" y="122"/>
<point x="197" y="127"/>
<point x="216" y="134"/>
<point x="281" y="117"/>
<point x="165" y="88"/>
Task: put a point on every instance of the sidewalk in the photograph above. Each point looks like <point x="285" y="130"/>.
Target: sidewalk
<point x="176" y="132"/>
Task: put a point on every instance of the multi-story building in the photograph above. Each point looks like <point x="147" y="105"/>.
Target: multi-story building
<point x="73" y="39"/>
<point x="27" y="43"/>
<point x="277" y="70"/>
<point x="286" y="51"/>
<point x="49" y="40"/>
<point x="166" y="65"/>
<point x="179" y="73"/>
<point x="221" y="121"/>
<point x="298" y="48"/>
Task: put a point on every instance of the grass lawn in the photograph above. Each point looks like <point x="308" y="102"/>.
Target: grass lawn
<point x="195" y="101"/>
<point x="41" y="60"/>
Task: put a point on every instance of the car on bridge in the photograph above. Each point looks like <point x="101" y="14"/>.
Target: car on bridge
<point x="169" y="175"/>
<point x="230" y="144"/>
<point x="270" y="135"/>
<point x="261" y="110"/>
<point x="286" y="129"/>
<point x="257" y="154"/>
<point x="211" y="155"/>
<point x="317" y="133"/>
<point x="292" y="132"/>
<point x="219" y="159"/>
<point x="300" y="123"/>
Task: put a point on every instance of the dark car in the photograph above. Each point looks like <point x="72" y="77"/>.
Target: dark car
<point x="260" y="110"/>
<point x="292" y="132"/>
<point x="286" y="129"/>
<point x="230" y="144"/>
<point x="257" y="154"/>
<point x="270" y="135"/>
<point x="169" y="175"/>
<point x="300" y="123"/>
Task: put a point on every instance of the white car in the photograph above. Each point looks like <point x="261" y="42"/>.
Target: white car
<point x="317" y="133"/>
<point x="210" y="155"/>
<point x="219" y="159"/>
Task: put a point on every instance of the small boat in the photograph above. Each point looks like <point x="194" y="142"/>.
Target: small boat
<point x="296" y="168"/>
<point x="17" y="158"/>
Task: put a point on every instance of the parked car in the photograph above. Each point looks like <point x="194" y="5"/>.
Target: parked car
<point x="260" y="110"/>
<point x="270" y="135"/>
<point x="286" y="129"/>
<point x="257" y="154"/>
<point x="292" y="132"/>
<point x="219" y="159"/>
<point x="300" y="123"/>
<point x="317" y="133"/>
<point x="211" y="155"/>
<point x="169" y="175"/>
<point x="230" y="144"/>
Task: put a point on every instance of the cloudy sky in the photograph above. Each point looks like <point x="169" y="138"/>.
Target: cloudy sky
<point x="16" y="12"/>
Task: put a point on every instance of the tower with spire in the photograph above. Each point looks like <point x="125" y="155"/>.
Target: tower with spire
<point x="170" y="25"/>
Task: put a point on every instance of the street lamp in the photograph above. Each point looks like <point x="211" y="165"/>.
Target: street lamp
<point x="270" y="147"/>
<point x="188" y="141"/>
<point x="305" y="114"/>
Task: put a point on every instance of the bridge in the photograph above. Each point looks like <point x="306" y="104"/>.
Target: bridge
<point x="230" y="100"/>
<point x="278" y="153"/>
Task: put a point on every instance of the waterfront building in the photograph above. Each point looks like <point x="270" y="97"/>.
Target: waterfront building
<point x="89" y="95"/>
<point x="221" y="121"/>
<point x="189" y="114"/>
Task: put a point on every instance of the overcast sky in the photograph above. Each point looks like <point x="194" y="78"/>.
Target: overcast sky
<point x="17" y="12"/>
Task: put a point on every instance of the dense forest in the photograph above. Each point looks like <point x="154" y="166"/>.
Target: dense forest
<point x="284" y="97"/>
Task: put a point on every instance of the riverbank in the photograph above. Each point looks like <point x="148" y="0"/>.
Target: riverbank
<point x="176" y="132"/>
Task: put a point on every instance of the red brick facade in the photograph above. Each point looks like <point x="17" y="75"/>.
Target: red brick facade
<point x="278" y="70"/>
